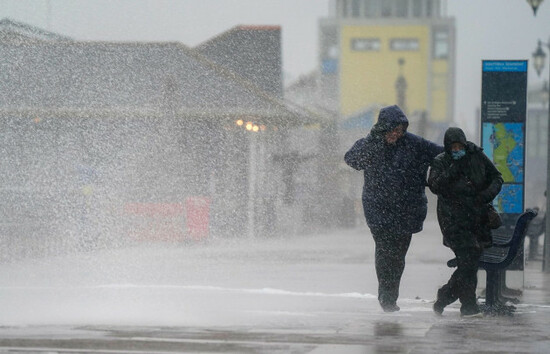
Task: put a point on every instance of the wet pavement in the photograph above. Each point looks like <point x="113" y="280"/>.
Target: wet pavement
<point x="407" y="332"/>
<point x="306" y="294"/>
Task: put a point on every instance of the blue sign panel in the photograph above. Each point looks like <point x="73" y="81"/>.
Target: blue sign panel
<point x="505" y="66"/>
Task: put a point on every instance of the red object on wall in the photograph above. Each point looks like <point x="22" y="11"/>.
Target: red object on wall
<point x="155" y="221"/>
<point x="154" y="209"/>
<point x="197" y="217"/>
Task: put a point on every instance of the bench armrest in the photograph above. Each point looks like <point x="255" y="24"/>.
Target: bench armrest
<point x="451" y="263"/>
<point x="502" y="245"/>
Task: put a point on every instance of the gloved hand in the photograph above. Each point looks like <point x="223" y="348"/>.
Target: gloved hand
<point x="462" y="187"/>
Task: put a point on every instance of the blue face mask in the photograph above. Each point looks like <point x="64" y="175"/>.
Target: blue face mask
<point x="457" y="155"/>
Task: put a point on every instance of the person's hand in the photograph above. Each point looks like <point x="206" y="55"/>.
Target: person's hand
<point x="463" y="187"/>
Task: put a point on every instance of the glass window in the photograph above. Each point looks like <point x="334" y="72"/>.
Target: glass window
<point x="404" y="44"/>
<point x="417" y="8"/>
<point x="429" y="8"/>
<point x="387" y="7"/>
<point x="355" y="5"/>
<point x="370" y="8"/>
<point x="345" y="8"/>
<point x="401" y="8"/>
<point x="365" y="44"/>
<point x="441" y="44"/>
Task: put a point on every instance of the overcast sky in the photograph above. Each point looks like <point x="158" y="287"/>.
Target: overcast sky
<point x="486" y="29"/>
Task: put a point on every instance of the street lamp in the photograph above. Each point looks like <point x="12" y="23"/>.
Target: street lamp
<point x="538" y="61"/>
<point x="535" y="5"/>
<point x="538" y="58"/>
<point x="401" y="87"/>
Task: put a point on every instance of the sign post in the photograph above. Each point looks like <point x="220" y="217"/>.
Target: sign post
<point x="503" y="119"/>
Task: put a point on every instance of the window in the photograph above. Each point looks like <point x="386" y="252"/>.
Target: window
<point x="441" y="44"/>
<point x="417" y="8"/>
<point x="345" y="7"/>
<point x="404" y="44"/>
<point x="365" y="44"/>
<point x="355" y="5"/>
<point x="429" y="8"/>
<point x="401" y="8"/>
<point x="370" y="8"/>
<point x="387" y="7"/>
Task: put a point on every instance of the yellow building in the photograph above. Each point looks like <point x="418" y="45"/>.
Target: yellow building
<point x="381" y="52"/>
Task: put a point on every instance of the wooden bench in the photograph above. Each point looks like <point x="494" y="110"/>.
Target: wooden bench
<point x="496" y="259"/>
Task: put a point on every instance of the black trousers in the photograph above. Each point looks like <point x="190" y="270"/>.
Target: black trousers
<point x="463" y="282"/>
<point x="390" y="253"/>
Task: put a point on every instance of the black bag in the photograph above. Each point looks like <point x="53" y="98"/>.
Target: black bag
<point x="493" y="218"/>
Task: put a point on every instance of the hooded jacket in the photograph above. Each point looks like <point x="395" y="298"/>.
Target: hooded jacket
<point x="464" y="187"/>
<point x="394" y="198"/>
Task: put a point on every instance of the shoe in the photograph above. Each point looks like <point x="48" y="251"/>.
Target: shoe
<point x="471" y="313"/>
<point x="438" y="308"/>
<point x="390" y="307"/>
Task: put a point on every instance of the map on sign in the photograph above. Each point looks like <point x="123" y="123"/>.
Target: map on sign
<point x="510" y="199"/>
<point x="504" y="144"/>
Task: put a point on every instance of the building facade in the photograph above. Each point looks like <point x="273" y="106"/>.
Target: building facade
<point x="381" y="52"/>
<point x="374" y="53"/>
<point x="104" y="140"/>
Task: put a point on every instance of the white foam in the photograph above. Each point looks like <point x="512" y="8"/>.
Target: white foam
<point x="265" y="291"/>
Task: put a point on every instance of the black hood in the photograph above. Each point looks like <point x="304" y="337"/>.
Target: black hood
<point x="388" y="119"/>
<point x="454" y="135"/>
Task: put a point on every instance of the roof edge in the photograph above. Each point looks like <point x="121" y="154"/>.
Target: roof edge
<point x="32" y="32"/>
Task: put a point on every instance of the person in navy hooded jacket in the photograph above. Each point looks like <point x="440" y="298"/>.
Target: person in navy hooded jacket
<point x="395" y="164"/>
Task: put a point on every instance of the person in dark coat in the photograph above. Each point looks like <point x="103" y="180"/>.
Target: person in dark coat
<point x="465" y="181"/>
<point x="395" y="164"/>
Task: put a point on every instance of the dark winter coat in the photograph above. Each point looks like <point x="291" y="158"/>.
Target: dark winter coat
<point x="394" y="199"/>
<point x="464" y="188"/>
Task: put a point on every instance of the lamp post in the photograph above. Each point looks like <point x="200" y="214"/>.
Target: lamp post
<point x="546" y="93"/>
<point x="401" y="87"/>
<point x="539" y="58"/>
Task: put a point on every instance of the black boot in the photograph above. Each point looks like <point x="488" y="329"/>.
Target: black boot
<point x="444" y="298"/>
<point x="438" y="307"/>
<point x="389" y="307"/>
